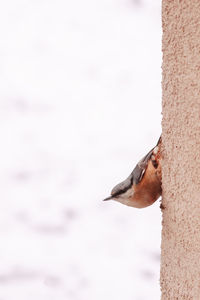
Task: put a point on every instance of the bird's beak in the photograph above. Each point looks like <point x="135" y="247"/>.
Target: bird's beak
<point x="109" y="198"/>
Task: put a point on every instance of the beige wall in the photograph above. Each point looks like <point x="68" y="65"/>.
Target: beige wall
<point x="180" y="259"/>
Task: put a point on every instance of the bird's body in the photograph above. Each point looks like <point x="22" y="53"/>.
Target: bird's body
<point x="143" y="186"/>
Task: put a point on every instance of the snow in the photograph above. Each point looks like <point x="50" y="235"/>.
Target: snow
<point x="80" y="105"/>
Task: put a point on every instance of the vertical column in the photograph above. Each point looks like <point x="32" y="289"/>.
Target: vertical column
<point x="180" y="249"/>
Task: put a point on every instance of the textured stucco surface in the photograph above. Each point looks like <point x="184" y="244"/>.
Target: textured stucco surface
<point x="180" y="262"/>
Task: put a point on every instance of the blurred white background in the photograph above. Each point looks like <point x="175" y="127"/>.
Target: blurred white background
<point x="80" y="105"/>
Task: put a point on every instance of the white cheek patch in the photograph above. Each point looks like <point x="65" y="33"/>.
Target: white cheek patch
<point x="126" y="197"/>
<point x="128" y="194"/>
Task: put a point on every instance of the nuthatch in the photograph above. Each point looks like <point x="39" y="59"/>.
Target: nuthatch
<point x="143" y="186"/>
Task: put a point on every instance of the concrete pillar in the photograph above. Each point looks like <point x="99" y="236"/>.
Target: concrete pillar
<point x="180" y="253"/>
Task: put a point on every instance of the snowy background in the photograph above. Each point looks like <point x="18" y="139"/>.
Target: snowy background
<point x="80" y="105"/>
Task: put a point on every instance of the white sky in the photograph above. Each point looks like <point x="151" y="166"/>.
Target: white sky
<point x="80" y="105"/>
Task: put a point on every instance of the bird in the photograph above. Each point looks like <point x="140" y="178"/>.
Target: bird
<point x="144" y="185"/>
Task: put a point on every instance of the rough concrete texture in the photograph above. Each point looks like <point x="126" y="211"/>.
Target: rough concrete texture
<point x="180" y="262"/>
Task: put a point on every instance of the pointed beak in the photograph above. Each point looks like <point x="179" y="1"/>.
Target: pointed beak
<point x="109" y="198"/>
